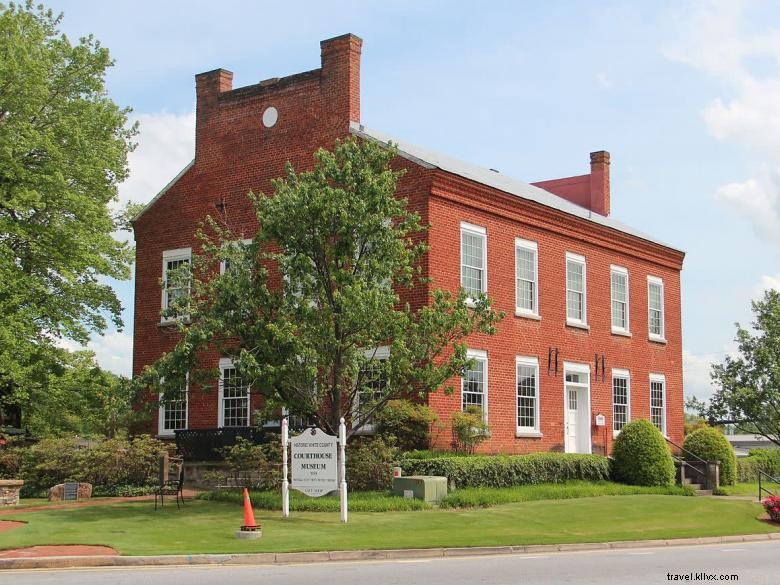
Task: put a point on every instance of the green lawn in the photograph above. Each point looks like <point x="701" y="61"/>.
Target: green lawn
<point x="750" y="489"/>
<point x="208" y="527"/>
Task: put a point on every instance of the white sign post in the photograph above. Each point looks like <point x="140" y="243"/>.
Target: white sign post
<point x="318" y="465"/>
<point x="343" y="469"/>
<point x="285" y="483"/>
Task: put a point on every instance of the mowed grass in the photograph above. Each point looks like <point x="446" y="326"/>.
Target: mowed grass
<point x="750" y="489"/>
<point x="462" y="498"/>
<point x="209" y="527"/>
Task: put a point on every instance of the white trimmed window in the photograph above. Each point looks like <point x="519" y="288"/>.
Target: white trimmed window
<point x="474" y="383"/>
<point x="621" y="399"/>
<point x="373" y="386"/>
<point x="658" y="401"/>
<point x="655" y="308"/>
<point x="526" y="278"/>
<point x="173" y="413"/>
<point x="576" y="309"/>
<point x="619" y="288"/>
<point x="527" y="396"/>
<point x="473" y="259"/>
<point x="233" y="396"/>
<point x="174" y="260"/>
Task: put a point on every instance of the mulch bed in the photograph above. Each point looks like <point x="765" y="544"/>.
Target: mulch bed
<point x="65" y="550"/>
<point x="10" y="525"/>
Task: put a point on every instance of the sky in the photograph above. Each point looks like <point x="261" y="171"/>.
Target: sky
<point x="684" y="95"/>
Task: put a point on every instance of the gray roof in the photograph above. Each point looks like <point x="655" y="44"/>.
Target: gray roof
<point x="430" y="159"/>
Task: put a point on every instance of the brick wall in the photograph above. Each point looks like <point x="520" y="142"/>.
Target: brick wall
<point x="236" y="153"/>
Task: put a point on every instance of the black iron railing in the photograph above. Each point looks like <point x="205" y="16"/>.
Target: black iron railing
<point x="690" y="461"/>
<point x="765" y="479"/>
<point x="209" y="444"/>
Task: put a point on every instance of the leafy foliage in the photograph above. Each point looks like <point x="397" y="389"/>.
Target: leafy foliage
<point x="748" y="390"/>
<point x="103" y="463"/>
<point x="499" y="471"/>
<point x="347" y="249"/>
<point x="409" y="423"/>
<point x="370" y="464"/>
<point x="469" y="429"/>
<point x="766" y="460"/>
<point x="63" y="152"/>
<point x="711" y="445"/>
<point x="641" y="456"/>
<point x="252" y="466"/>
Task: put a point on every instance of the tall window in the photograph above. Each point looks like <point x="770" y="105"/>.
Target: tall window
<point x="473" y="259"/>
<point x="527" y="395"/>
<point x="619" y="286"/>
<point x="373" y="386"/>
<point x="575" y="289"/>
<point x="173" y="413"/>
<point x="474" y="382"/>
<point x="526" y="274"/>
<point x="655" y="307"/>
<point x="233" y="397"/>
<point x="621" y="399"/>
<point x="658" y="401"/>
<point x="174" y="287"/>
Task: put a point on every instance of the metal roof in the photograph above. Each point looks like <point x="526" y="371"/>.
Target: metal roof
<point x="491" y="178"/>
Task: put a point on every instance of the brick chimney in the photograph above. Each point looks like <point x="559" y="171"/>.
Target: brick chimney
<point x="208" y="86"/>
<point x="599" y="182"/>
<point x="340" y="58"/>
<point x="590" y="191"/>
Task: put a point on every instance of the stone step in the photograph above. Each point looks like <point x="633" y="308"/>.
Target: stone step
<point x="703" y="492"/>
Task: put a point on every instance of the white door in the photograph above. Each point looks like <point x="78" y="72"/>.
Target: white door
<point x="572" y="415"/>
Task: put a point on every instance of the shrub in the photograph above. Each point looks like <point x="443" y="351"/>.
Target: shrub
<point x="766" y="460"/>
<point x="641" y="456"/>
<point x="408" y="422"/>
<point x="469" y="429"/>
<point x="510" y="470"/>
<point x="711" y="445"/>
<point x="370" y="464"/>
<point x="772" y="507"/>
<point x="103" y="463"/>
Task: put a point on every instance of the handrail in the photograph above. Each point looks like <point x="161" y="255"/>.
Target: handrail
<point x="763" y="489"/>
<point x="684" y="450"/>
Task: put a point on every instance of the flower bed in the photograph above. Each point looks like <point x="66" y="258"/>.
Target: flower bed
<point x="772" y="507"/>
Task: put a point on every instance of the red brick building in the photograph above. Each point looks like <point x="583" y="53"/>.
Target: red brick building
<point x="593" y="329"/>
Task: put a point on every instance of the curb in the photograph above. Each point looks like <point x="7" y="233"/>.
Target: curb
<point x="361" y="555"/>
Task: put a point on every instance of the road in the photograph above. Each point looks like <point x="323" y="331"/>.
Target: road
<point x="752" y="563"/>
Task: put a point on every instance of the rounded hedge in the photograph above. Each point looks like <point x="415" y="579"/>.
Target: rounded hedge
<point x="641" y="456"/>
<point x="711" y="445"/>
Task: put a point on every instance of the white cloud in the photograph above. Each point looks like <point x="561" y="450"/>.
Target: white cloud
<point x="696" y="375"/>
<point x="113" y="351"/>
<point x="718" y="39"/>
<point x="603" y="80"/>
<point x="166" y="143"/>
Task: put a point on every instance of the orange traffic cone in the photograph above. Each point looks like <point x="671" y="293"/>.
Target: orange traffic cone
<point x="250" y="529"/>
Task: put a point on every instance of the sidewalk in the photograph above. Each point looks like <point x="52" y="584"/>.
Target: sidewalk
<point x="359" y="555"/>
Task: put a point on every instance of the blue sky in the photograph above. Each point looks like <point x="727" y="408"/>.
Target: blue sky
<point x="685" y="96"/>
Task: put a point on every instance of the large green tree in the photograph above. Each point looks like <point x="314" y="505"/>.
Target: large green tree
<point x="63" y="152"/>
<point x="748" y="392"/>
<point x="304" y="308"/>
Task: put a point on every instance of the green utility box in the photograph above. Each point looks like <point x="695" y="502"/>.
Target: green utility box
<point x="430" y="488"/>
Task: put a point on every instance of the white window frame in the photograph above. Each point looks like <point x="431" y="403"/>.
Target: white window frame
<point x="534" y="248"/>
<point x="481" y="356"/>
<point x="625" y="375"/>
<point x="474" y="230"/>
<point x="523" y="431"/>
<point x="578" y="259"/>
<point x="228" y="364"/>
<point x="163" y="432"/>
<point x="655" y="280"/>
<point x="621" y="271"/>
<point x="173" y="256"/>
<point x="223" y="263"/>
<point x="380" y="353"/>
<point x="659" y="378"/>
